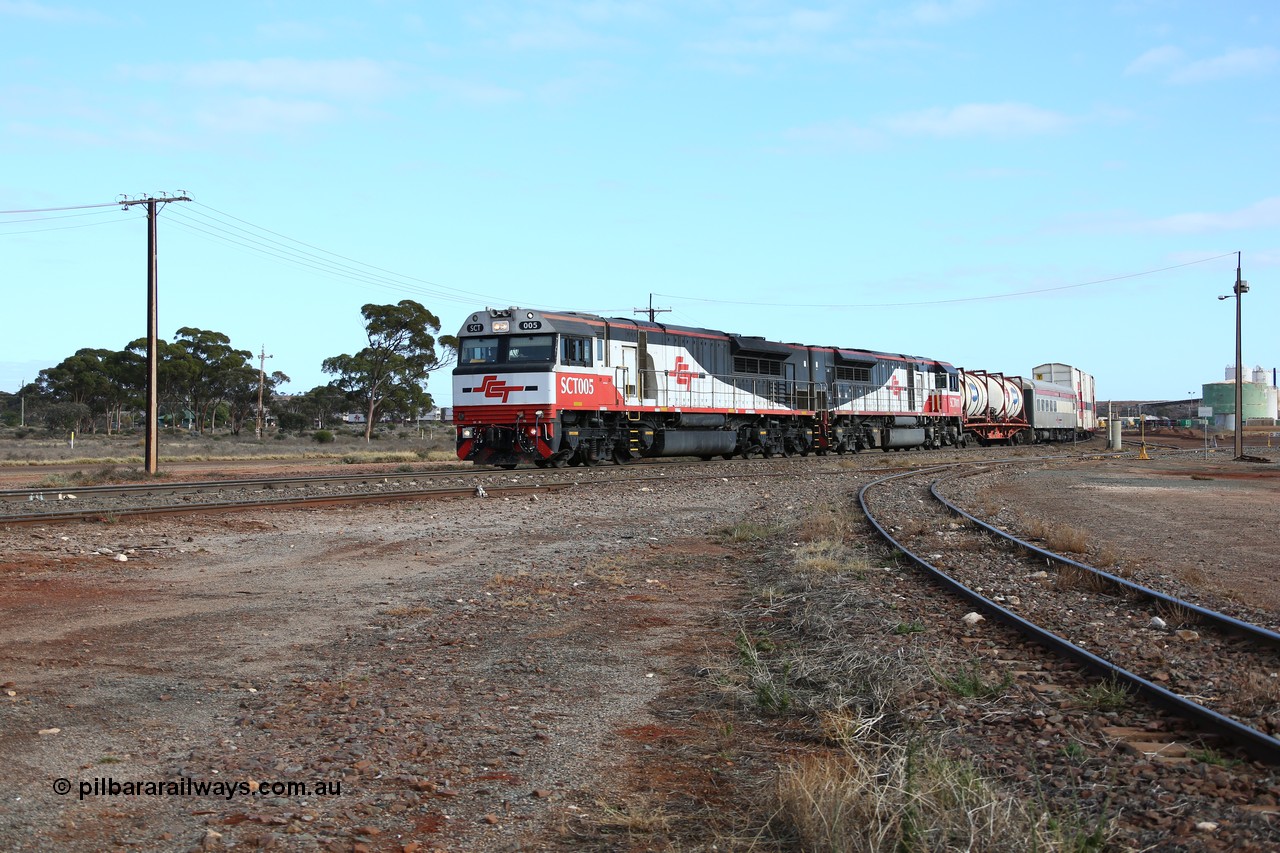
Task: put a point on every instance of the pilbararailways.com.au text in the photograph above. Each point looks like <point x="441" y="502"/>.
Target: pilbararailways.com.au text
<point x="185" y="786"/>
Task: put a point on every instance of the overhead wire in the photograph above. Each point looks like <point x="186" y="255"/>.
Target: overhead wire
<point x="955" y="300"/>
<point x="56" y="209"/>
<point x="342" y="266"/>
<point x="211" y="235"/>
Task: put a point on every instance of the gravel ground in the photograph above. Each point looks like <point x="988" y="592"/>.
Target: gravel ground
<point x="529" y="674"/>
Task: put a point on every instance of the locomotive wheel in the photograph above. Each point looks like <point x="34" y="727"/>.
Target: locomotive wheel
<point x="542" y="463"/>
<point x="726" y="456"/>
<point x="507" y="466"/>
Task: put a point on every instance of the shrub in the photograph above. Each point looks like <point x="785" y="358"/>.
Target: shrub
<point x="322" y="436"/>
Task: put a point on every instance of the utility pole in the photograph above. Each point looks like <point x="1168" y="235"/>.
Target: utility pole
<point x="651" y="311"/>
<point x="22" y="404"/>
<point x="153" y="408"/>
<point x="1241" y="288"/>
<point x="262" y="370"/>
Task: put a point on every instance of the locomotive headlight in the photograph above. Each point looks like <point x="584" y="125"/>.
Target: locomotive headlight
<point x="466" y="432"/>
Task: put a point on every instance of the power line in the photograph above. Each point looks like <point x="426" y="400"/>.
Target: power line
<point x="63" y="227"/>
<point x="249" y="242"/>
<point x="951" y="301"/>
<point x="429" y="284"/>
<point x="55" y="209"/>
<point x="52" y="218"/>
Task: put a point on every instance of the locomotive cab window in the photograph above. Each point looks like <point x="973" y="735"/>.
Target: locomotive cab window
<point x="531" y="348"/>
<point x="479" y="350"/>
<point x="575" y="351"/>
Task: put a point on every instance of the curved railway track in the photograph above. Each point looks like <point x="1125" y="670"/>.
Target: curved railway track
<point x="1147" y="641"/>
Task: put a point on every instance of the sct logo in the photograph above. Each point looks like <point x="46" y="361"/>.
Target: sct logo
<point x="496" y="389"/>
<point x="579" y="385"/>
<point x="683" y="374"/>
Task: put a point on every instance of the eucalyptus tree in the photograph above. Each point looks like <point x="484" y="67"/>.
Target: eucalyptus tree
<point x="84" y="381"/>
<point x="391" y="372"/>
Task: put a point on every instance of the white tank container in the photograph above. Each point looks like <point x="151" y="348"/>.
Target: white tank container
<point x="975" y="396"/>
<point x="1004" y="396"/>
<point x="990" y="395"/>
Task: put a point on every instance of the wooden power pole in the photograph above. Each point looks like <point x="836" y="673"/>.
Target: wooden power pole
<point x="153" y="408"/>
<point x="262" y="374"/>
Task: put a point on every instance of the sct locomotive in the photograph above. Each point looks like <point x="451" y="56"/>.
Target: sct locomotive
<point x="559" y="388"/>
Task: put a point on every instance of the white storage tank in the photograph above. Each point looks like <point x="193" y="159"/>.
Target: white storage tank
<point x="1260" y="375"/>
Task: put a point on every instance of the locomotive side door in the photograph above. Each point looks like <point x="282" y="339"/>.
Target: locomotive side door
<point x="630" y="372"/>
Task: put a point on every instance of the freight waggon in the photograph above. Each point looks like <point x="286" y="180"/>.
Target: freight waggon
<point x="559" y="388"/>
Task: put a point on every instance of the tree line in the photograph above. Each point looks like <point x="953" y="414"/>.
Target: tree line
<point x="202" y="379"/>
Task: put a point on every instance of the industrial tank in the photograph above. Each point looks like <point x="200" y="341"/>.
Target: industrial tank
<point x="1257" y="400"/>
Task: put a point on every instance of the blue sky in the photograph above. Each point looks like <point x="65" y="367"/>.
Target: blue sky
<point x="989" y="182"/>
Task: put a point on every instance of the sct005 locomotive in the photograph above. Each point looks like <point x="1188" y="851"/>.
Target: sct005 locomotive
<point x="559" y="388"/>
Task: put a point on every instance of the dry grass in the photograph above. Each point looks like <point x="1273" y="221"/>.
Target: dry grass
<point x="1072" y="578"/>
<point x="837" y="522"/>
<point x="829" y="557"/>
<point x="1256" y="692"/>
<point x="751" y="531"/>
<point x="913" y="527"/>
<point x="1176" y="615"/>
<point x="1192" y="575"/>
<point x="912" y="798"/>
<point x="1061" y="539"/>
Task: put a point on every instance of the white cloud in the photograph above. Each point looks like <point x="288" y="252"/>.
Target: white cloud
<point x="48" y="14"/>
<point x="1262" y="214"/>
<point x="1156" y="59"/>
<point x="838" y="134"/>
<point x="473" y="91"/>
<point x="293" y="31"/>
<point x="980" y="120"/>
<point x="263" y="115"/>
<point x="1244" y="62"/>
<point x="340" y="78"/>
<point x="936" y="13"/>
<point x="999" y="120"/>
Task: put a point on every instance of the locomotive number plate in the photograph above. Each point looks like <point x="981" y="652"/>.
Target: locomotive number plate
<point x="530" y="325"/>
<point x="475" y="327"/>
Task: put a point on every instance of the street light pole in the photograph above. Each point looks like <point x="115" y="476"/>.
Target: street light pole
<point x="1241" y="288"/>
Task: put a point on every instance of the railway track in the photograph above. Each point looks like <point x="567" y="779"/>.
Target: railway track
<point x="1208" y="668"/>
<point x="48" y="505"/>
